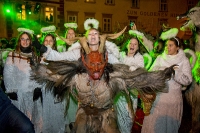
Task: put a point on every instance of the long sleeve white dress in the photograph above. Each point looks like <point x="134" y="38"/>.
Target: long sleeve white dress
<point x="17" y="79"/>
<point x="166" y="111"/>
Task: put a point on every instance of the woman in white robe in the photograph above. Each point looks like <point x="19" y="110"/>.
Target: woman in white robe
<point x="166" y="111"/>
<point x="17" y="80"/>
<point x="54" y="117"/>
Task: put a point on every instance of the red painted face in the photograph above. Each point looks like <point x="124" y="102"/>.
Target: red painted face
<point x="95" y="64"/>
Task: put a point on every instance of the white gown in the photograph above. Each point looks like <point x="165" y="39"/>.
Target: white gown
<point x="17" y="79"/>
<point x="54" y="118"/>
<point x="166" y="111"/>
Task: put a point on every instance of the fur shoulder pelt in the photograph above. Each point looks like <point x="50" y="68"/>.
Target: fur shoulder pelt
<point x="190" y="54"/>
<point x="140" y="79"/>
<point x="58" y="75"/>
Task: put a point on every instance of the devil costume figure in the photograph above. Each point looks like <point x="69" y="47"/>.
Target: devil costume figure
<point x="94" y="83"/>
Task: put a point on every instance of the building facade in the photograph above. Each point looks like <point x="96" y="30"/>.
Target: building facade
<point x="113" y="15"/>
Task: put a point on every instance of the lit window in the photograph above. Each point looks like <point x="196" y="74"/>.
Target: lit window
<point x="135" y="3"/>
<point x="71" y="0"/>
<point x="163" y="5"/>
<point x="49" y="14"/>
<point x="92" y="1"/>
<point x="22" y="15"/>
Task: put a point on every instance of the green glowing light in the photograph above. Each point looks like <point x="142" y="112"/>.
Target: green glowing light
<point x="8" y="10"/>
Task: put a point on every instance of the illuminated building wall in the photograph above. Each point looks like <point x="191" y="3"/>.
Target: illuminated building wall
<point x="113" y="15"/>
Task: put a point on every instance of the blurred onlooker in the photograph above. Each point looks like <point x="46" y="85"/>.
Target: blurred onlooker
<point x="158" y="48"/>
<point x="3" y="43"/>
<point x="12" y="120"/>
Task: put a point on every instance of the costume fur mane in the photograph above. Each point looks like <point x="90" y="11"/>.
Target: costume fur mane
<point x="193" y="93"/>
<point x="59" y="75"/>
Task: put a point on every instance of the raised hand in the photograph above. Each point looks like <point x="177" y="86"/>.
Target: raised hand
<point x="38" y="46"/>
<point x="36" y="43"/>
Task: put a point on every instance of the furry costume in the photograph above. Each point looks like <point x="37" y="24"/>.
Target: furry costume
<point x="95" y="83"/>
<point x="96" y="112"/>
<point x="193" y="93"/>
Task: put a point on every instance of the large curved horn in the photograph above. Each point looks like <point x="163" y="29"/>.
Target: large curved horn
<point x="83" y="42"/>
<point x="116" y="35"/>
<point x="68" y="41"/>
<point x="110" y="36"/>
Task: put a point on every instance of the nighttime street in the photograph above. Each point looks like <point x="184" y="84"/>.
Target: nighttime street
<point x="100" y="66"/>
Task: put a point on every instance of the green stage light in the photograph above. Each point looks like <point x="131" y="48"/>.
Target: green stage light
<point x="28" y="9"/>
<point x="7" y="8"/>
